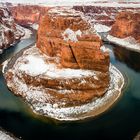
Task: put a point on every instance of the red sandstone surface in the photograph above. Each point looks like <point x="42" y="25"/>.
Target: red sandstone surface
<point x="127" y="24"/>
<point x="27" y="14"/>
<point x="81" y="50"/>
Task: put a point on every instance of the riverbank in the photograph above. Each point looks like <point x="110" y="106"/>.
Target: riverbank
<point x="37" y="100"/>
<point x="128" y="43"/>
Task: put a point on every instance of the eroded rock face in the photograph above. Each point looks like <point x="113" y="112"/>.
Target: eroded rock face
<point x="103" y="14"/>
<point x="127" y="24"/>
<point x="65" y="33"/>
<point x="9" y="31"/>
<point x="27" y="14"/>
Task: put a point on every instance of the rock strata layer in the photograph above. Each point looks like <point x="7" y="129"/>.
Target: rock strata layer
<point x="27" y="14"/>
<point x="60" y="102"/>
<point x="68" y="35"/>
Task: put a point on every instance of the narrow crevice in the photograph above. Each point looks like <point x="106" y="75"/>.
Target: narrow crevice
<point x="73" y="55"/>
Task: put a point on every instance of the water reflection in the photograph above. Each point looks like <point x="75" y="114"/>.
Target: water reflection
<point x="130" y="58"/>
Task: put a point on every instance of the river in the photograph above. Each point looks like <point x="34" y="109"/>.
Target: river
<point x="122" y="121"/>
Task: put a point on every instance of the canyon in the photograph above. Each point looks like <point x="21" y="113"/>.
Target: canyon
<point x="10" y="32"/>
<point x="30" y="14"/>
<point x="67" y="71"/>
<point x="117" y="25"/>
<point x="104" y="15"/>
<point x="71" y="74"/>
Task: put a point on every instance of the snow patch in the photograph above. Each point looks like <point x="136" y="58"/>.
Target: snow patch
<point x="101" y="28"/>
<point x="104" y="49"/>
<point x="4" y="136"/>
<point x="26" y="33"/>
<point x="70" y="35"/>
<point x="37" y="65"/>
<point x="35" y="26"/>
<point x="128" y="42"/>
<point x="34" y="66"/>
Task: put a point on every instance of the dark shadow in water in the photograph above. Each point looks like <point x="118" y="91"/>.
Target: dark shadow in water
<point x="130" y="58"/>
<point x="29" y="128"/>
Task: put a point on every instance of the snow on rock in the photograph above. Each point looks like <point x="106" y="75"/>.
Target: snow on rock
<point x="36" y="65"/>
<point x="101" y="28"/>
<point x="35" y="26"/>
<point x="129" y="42"/>
<point x="26" y="33"/>
<point x="70" y="35"/>
<point x="104" y="49"/>
<point x="5" y="136"/>
<point x="103" y="3"/>
<point x="37" y="97"/>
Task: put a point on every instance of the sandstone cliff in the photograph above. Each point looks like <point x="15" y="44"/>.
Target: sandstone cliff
<point x="68" y="35"/>
<point x="27" y="14"/>
<point x="104" y="14"/>
<point x="127" y="24"/>
<point x="10" y="32"/>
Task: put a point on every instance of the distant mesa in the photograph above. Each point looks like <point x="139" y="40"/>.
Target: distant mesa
<point x="125" y="30"/>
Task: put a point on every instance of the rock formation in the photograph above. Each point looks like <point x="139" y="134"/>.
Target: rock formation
<point x="27" y="14"/>
<point x="72" y="38"/>
<point x="67" y="74"/>
<point x="104" y="14"/>
<point x="126" y="25"/>
<point x="124" y="31"/>
<point x="67" y="35"/>
<point x="10" y="32"/>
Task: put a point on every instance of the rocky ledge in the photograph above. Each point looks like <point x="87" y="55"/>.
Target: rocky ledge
<point x="33" y="75"/>
<point x="67" y="76"/>
<point x="125" y="31"/>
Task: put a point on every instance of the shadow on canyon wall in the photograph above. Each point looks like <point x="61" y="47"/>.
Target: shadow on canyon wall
<point x="130" y="58"/>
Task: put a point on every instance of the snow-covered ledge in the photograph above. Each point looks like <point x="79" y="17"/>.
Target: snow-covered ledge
<point x="129" y="42"/>
<point x="6" y="136"/>
<point x="35" y="96"/>
<point x="100" y="28"/>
